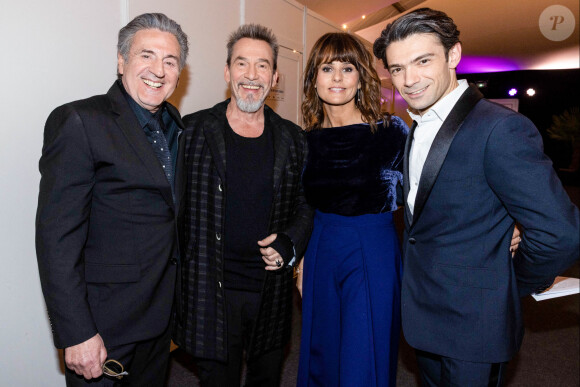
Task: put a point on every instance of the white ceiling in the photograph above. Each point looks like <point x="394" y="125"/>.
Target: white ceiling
<point x="351" y="12"/>
<point x="499" y="35"/>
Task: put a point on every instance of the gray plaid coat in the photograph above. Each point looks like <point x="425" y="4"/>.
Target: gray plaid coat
<point x="200" y="326"/>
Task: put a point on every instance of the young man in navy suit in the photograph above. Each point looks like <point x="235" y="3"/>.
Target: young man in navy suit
<point x="106" y="236"/>
<point x="472" y="168"/>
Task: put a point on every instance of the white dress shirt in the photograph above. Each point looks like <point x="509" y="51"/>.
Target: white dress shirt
<point x="428" y="126"/>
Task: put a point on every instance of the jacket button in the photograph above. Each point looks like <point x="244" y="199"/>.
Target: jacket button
<point x="173" y="261"/>
<point x="220" y="284"/>
<point x="412" y="241"/>
<point x="220" y="187"/>
<point x="218" y="236"/>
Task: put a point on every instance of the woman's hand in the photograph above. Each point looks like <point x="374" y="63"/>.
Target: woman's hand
<point x="299" y="273"/>
<point x="516" y="239"/>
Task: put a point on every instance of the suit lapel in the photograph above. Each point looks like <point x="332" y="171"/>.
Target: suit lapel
<point x="406" y="185"/>
<point x="282" y="140"/>
<point x="129" y="125"/>
<point x="180" y="177"/>
<point x="441" y="144"/>
<point x="214" y="136"/>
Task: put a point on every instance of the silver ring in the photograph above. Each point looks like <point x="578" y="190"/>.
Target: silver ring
<point x="278" y="263"/>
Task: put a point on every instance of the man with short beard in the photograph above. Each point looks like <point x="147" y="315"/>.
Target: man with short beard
<point x="245" y="221"/>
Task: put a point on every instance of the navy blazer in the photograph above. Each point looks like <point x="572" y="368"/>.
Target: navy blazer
<point x="106" y="236"/>
<point x="461" y="288"/>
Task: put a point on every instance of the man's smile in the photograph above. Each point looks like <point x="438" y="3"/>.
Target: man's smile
<point x="155" y="85"/>
<point x="250" y="86"/>
<point x="417" y="92"/>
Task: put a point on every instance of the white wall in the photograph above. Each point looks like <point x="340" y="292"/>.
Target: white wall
<point x="52" y="52"/>
<point x="317" y="26"/>
<point x="284" y="17"/>
<point x="57" y="51"/>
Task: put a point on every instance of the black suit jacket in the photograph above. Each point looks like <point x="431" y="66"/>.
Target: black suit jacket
<point x="461" y="288"/>
<point x="201" y="323"/>
<point x="106" y="235"/>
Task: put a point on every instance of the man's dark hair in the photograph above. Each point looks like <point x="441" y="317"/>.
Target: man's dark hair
<point x="256" y="32"/>
<point x="420" y="21"/>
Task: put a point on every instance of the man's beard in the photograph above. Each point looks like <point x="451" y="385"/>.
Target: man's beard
<point x="250" y="105"/>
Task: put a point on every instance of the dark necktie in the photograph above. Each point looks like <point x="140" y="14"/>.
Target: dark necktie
<point x="160" y="147"/>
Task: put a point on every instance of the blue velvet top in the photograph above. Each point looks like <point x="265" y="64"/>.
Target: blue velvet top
<point x="351" y="171"/>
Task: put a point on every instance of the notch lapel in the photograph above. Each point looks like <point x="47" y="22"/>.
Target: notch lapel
<point x="406" y="185"/>
<point x="282" y="140"/>
<point x="179" y="167"/>
<point x="441" y="145"/>
<point x="214" y="135"/>
<point x="129" y="125"/>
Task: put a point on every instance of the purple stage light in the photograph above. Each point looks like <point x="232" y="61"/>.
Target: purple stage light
<point x="485" y="64"/>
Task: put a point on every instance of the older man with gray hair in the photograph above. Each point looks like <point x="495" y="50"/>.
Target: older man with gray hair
<point x="106" y="235"/>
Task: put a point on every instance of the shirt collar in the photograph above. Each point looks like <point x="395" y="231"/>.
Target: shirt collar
<point x="143" y="115"/>
<point x="442" y="108"/>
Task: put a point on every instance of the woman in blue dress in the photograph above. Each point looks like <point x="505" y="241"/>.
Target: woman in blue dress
<point x="352" y="267"/>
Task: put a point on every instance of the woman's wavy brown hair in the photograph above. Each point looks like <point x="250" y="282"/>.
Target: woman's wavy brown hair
<point x="342" y="47"/>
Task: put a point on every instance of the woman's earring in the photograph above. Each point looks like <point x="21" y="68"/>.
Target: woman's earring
<point x="358" y="93"/>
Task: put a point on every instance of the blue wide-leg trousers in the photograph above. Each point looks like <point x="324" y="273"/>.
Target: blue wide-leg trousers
<point x="351" y="302"/>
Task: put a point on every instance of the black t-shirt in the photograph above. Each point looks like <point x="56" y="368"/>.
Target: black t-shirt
<point x="248" y="193"/>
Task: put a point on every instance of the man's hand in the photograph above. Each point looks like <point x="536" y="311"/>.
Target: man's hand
<point x="270" y="256"/>
<point x="516" y="239"/>
<point x="299" y="276"/>
<point x="87" y="358"/>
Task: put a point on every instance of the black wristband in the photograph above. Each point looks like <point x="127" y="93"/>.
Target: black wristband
<point x="284" y="246"/>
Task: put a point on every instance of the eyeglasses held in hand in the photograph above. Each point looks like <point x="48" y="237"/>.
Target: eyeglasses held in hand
<point x="114" y="369"/>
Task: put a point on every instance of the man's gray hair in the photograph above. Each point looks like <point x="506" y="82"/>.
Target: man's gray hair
<point x="156" y="21"/>
<point x="256" y="32"/>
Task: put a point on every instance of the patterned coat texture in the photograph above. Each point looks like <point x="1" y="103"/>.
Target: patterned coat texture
<point x="200" y="323"/>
